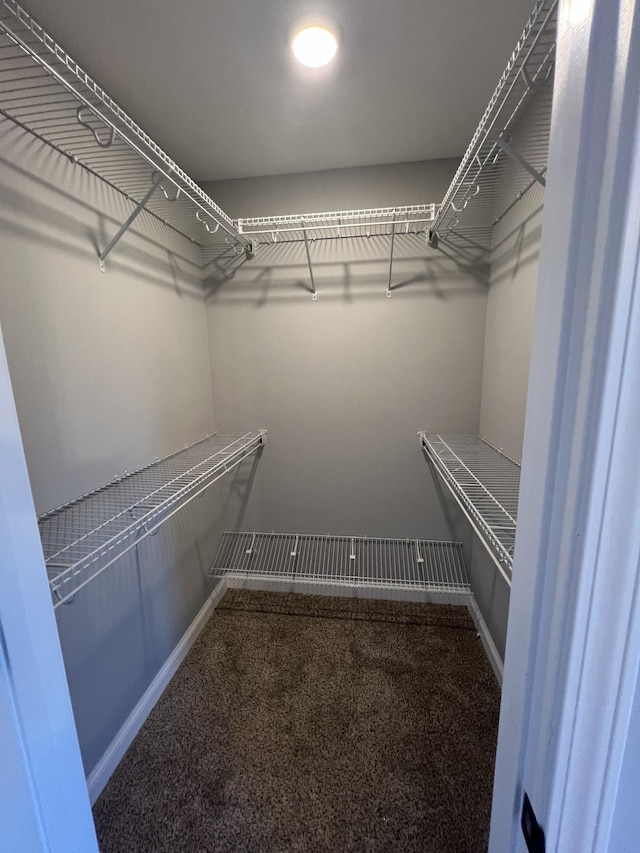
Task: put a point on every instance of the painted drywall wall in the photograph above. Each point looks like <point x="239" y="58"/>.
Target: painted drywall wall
<point x="344" y="384"/>
<point x="505" y="371"/>
<point x="109" y="372"/>
<point x="104" y="365"/>
<point x="335" y="189"/>
<point x="511" y="301"/>
<point x="513" y="281"/>
<point x="491" y="592"/>
<point x="509" y="329"/>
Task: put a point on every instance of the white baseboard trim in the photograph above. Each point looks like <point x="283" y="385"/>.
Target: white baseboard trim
<point x="306" y="586"/>
<point x="487" y="640"/>
<point x="112" y="756"/>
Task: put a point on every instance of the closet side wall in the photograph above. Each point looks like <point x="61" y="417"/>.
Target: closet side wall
<point x="109" y="372"/>
<point x="505" y="374"/>
<point x="344" y="384"/>
<point x="510" y="307"/>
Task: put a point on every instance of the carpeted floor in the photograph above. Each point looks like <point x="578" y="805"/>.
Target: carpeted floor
<point x="303" y="723"/>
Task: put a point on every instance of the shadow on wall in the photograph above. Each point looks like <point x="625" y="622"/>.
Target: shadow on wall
<point x="109" y="370"/>
<point x="517" y="247"/>
<point x="352" y="267"/>
<point x="235" y="492"/>
<point x="76" y="213"/>
<point x="454" y="518"/>
<point x="220" y="266"/>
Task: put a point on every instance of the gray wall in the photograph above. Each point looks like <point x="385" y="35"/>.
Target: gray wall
<point x="509" y="330"/>
<point x="507" y="347"/>
<point x="109" y="371"/>
<point x="335" y="189"/>
<point x="513" y="282"/>
<point x="344" y="384"/>
<point x="104" y="365"/>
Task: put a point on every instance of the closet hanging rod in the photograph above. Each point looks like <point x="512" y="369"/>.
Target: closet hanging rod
<point x="475" y="200"/>
<point x="54" y="98"/>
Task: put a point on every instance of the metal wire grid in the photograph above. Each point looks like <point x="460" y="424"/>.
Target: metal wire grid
<point x="344" y="561"/>
<point x="475" y="199"/>
<point x="332" y="225"/>
<point x="46" y="92"/>
<point x="85" y="536"/>
<point x="486" y="484"/>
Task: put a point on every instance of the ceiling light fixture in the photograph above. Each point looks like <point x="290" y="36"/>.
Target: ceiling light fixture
<point x="314" y="46"/>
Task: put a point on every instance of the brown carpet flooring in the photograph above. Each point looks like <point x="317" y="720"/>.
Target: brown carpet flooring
<point x="303" y="723"/>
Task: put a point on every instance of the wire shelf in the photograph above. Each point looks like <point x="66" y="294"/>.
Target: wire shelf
<point x="486" y="484"/>
<point x="43" y="90"/>
<point x="343" y="561"/>
<point x="333" y="225"/>
<point x="84" y="537"/>
<point x="475" y="200"/>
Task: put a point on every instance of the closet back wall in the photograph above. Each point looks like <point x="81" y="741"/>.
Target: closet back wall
<point x="109" y="371"/>
<point x="344" y="384"/>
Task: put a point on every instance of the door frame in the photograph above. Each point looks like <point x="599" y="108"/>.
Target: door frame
<point x="573" y="642"/>
<point x="45" y="804"/>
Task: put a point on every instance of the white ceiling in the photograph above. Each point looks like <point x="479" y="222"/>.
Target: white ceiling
<point x="213" y="81"/>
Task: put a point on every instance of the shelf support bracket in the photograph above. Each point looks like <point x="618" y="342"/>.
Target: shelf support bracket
<point x="501" y="140"/>
<point x="306" y="246"/>
<point x="155" y="183"/>
<point x="393" y="236"/>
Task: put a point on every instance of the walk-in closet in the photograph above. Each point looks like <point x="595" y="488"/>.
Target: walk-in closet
<point x="268" y="305"/>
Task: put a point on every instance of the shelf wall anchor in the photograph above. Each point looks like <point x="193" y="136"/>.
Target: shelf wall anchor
<point x="155" y="183"/>
<point x="504" y="142"/>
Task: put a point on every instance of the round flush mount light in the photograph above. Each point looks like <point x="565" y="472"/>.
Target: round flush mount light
<point x="314" y="46"/>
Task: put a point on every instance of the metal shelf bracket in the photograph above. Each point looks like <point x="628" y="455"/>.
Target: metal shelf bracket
<point x="155" y="183"/>
<point x="503" y="139"/>
<point x="314" y="294"/>
<point x="393" y="237"/>
<point x="484" y="190"/>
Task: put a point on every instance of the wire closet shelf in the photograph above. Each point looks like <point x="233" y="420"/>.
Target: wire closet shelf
<point x="82" y="538"/>
<point x="416" y="565"/>
<point x="509" y="148"/>
<point x="486" y="483"/>
<point x="44" y="91"/>
<point x="335" y="225"/>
